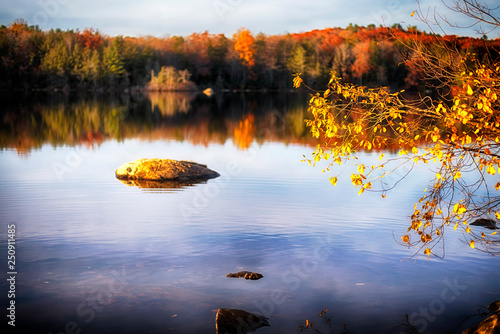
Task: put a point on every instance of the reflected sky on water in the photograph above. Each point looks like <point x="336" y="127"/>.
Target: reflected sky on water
<point x="112" y="258"/>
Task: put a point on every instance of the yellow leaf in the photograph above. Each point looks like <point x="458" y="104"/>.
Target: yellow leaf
<point x="469" y="91"/>
<point x="438" y="176"/>
<point x="414" y="150"/>
<point x="497" y="214"/>
<point x="381" y="156"/>
<point x="297" y="80"/>
<point x="361" y="191"/>
<point x="472" y="243"/>
<point x="405" y="238"/>
<point x="427" y="252"/>
<point x="412" y="13"/>
<point x="333" y="180"/>
<point x="468" y="229"/>
<point x="493" y="233"/>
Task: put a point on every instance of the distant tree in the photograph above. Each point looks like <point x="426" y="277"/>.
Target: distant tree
<point x="244" y="45"/>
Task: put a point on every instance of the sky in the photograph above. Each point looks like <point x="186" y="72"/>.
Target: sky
<point x="162" y="18"/>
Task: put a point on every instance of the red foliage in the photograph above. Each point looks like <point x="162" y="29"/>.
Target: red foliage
<point x="90" y="39"/>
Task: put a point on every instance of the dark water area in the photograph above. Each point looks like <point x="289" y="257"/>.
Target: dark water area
<point x="95" y="255"/>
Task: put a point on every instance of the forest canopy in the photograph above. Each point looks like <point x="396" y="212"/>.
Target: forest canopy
<point x="374" y="56"/>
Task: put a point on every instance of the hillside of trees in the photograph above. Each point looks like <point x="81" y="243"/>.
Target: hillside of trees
<point x="87" y="60"/>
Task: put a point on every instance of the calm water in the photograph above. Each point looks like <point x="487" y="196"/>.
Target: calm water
<point x="96" y="255"/>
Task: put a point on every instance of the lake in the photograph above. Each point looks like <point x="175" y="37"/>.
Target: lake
<point x="95" y="255"/>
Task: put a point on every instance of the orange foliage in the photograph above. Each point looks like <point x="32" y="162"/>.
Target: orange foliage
<point x="361" y="63"/>
<point x="245" y="46"/>
<point x="245" y="132"/>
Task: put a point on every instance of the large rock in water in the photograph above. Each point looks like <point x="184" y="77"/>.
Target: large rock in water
<point x="234" y="321"/>
<point x="164" y="170"/>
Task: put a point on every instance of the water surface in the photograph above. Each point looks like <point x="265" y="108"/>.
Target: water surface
<point x="96" y="255"/>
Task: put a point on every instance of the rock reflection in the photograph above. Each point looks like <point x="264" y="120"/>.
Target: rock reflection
<point x="165" y="185"/>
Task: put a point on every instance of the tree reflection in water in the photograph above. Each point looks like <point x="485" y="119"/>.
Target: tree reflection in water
<point x="28" y="123"/>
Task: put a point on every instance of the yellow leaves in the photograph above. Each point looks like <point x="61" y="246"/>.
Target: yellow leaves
<point x="467" y="229"/>
<point x="440" y="107"/>
<point x="405" y="238"/>
<point x="414" y="150"/>
<point x="469" y="90"/>
<point x="425" y="238"/>
<point x="427" y="252"/>
<point x="438" y="176"/>
<point x="356" y="180"/>
<point x="412" y="14"/>
<point x="457" y="175"/>
<point x="472" y="244"/>
<point x="459" y="208"/>
<point x="497" y="215"/>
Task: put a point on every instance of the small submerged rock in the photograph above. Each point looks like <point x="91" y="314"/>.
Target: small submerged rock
<point x="234" y="321"/>
<point x="246" y="275"/>
<point x="164" y="170"/>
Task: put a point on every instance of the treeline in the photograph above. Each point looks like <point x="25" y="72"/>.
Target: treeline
<point x="55" y="59"/>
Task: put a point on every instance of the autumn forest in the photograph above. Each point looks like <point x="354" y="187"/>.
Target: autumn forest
<point x="87" y="60"/>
